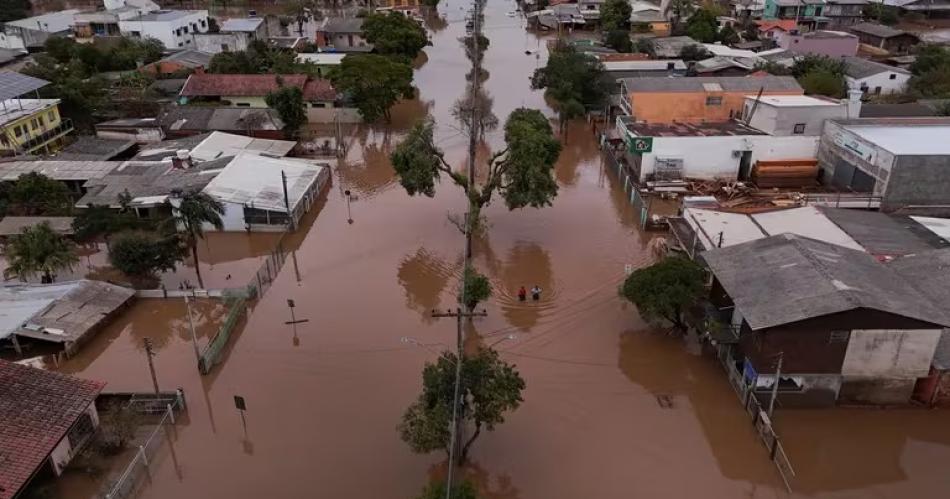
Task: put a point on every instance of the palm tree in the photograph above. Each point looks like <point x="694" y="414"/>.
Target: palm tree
<point x="195" y="208"/>
<point x="39" y="250"/>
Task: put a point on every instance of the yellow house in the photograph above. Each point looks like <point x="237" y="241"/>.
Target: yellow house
<point x="29" y="126"/>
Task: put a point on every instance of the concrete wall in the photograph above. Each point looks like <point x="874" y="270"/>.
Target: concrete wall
<point x="846" y="46"/>
<point x="776" y="120"/>
<point x="888" y="82"/>
<point x="890" y="353"/>
<point x="233" y="218"/>
<point x="918" y="180"/>
<point x="347" y="41"/>
<point x="841" y="149"/>
<point x="876" y="391"/>
<point x="215" y="43"/>
<point x="65" y="450"/>
<point x="666" y="107"/>
<point x="165" y="31"/>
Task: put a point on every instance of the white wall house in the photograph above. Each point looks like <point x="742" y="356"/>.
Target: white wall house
<point x="174" y="28"/>
<point x="33" y="31"/>
<point x="873" y="77"/>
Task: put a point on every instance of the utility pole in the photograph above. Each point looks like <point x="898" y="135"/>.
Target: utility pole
<point x="778" y="374"/>
<point x="151" y="367"/>
<point x="194" y="337"/>
<point x="290" y="215"/>
<point x="473" y="126"/>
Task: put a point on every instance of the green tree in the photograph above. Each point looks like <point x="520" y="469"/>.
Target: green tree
<point x="823" y="82"/>
<point x="575" y="81"/>
<point x="143" y="254"/>
<point x="373" y="83"/>
<point x="39" y="250"/>
<point x="195" y="209"/>
<point x="300" y="11"/>
<point x="81" y="91"/>
<point x="11" y="10"/>
<point x="812" y="63"/>
<point x="677" y="10"/>
<point x="929" y="57"/>
<point x="476" y="288"/>
<point x="522" y="172"/>
<point x="645" y="46"/>
<point x="694" y="53"/>
<point x="288" y="102"/>
<point x="615" y="15"/>
<point x="99" y="222"/>
<point x="60" y="48"/>
<point x="727" y="35"/>
<point x="665" y="290"/>
<point x="934" y="83"/>
<point x="619" y="40"/>
<point x="436" y="490"/>
<point x="36" y="194"/>
<point x="489" y="388"/>
<point x="259" y="58"/>
<point x="702" y="26"/>
<point x="395" y="34"/>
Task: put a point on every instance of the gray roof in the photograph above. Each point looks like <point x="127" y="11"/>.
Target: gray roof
<point x="908" y="110"/>
<point x="14" y="84"/>
<point x="928" y="272"/>
<point x="7" y="55"/>
<point x="88" y="148"/>
<point x="878" y="30"/>
<point x="857" y="67"/>
<point x="941" y="358"/>
<point x="165" y="15"/>
<point x="15" y="225"/>
<point x="882" y="234"/>
<point x="167" y="148"/>
<point x="728" y="84"/>
<point x="242" y="24"/>
<point x="343" y="25"/>
<point x="143" y="179"/>
<point x="190" y="58"/>
<point x="672" y="45"/>
<point x="57" y="170"/>
<point x="786" y="278"/>
<point x="177" y="118"/>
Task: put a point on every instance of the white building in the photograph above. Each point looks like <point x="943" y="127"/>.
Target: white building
<point x="714" y="150"/>
<point x="174" y="28"/>
<point x="34" y="31"/>
<point x="873" y="77"/>
<point x="796" y="114"/>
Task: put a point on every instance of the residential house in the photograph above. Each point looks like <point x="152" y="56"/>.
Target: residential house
<point x="342" y="35"/>
<point x="748" y="9"/>
<point x="31" y="33"/>
<point x="254" y="27"/>
<point x="28" y="125"/>
<point x="87" y="25"/>
<point x="795" y="114"/>
<point x="215" y="43"/>
<point x="828" y="43"/>
<point x="928" y="7"/>
<point x="91" y="148"/>
<point x="185" y="121"/>
<point x="590" y="9"/>
<point x="648" y="17"/>
<point x="847" y="328"/>
<point x="619" y="70"/>
<point x="250" y="90"/>
<point x="295" y="43"/>
<point x="844" y="13"/>
<point x="72" y="174"/>
<point x="13" y="225"/>
<point x="699" y="99"/>
<point x="807" y="13"/>
<point x="715" y="150"/>
<point x="670" y="47"/>
<point x="770" y="28"/>
<point x="884" y="37"/>
<point x="873" y="77"/>
<point x="324" y="61"/>
<point x="174" y="28"/>
<point x="179" y="63"/>
<point x="46" y="418"/>
<point x="401" y="5"/>
<point x="900" y="160"/>
<point x="138" y="130"/>
<point x="724" y="66"/>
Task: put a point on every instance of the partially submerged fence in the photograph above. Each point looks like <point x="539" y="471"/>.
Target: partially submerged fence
<point x="268" y="270"/>
<point x="237" y="309"/>
<point x="165" y="405"/>
<point x="760" y="419"/>
<point x="636" y="199"/>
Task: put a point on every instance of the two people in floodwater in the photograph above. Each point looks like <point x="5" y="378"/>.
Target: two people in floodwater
<point x="535" y="293"/>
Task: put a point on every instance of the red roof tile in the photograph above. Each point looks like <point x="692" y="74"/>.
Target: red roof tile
<point x="37" y="409"/>
<point x="782" y="24"/>
<point x="232" y="85"/>
<point x="635" y="56"/>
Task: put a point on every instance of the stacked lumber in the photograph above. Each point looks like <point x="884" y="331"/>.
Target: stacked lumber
<point x="786" y="173"/>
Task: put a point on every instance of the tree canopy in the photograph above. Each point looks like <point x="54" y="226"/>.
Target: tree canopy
<point x="489" y="388"/>
<point x="39" y="250"/>
<point x="81" y="90"/>
<point x="476" y="288"/>
<point x="35" y="194"/>
<point x="615" y="15"/>
<point x="373" y="83"/>
<point x="665" y="290"/>
<point x="702" y="26"/>
<point x="195" y="209"/>
<point x="94" y="222"/>
<point x="259" y="58"/>
<point x="694" y="52"/>
<point x="288" y="102"/>
<point x="11" y="10"/>
<point x="575" y="81"/>
<point x="143" y="254"/>
<point x="395" y="34"/>
<point x="823" y="82"/>
<point x="436" y="490"/>
<point x="619" y="40"/>
<point x="931" y="72"/>
<point x="124" y="54"/>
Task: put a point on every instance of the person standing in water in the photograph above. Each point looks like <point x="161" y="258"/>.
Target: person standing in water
<point x="536" y="293"/>
<point x="522" y="294"/>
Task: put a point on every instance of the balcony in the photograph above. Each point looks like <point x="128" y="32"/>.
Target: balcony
<point x="64" y="127"/>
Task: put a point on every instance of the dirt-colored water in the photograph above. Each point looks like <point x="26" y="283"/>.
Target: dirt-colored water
<point x="322" y="410"/>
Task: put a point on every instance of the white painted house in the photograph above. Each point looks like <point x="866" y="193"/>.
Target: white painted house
<point x="873" y="77"/>
<point x="23" y="34"/>
<point x="174" y="28"/>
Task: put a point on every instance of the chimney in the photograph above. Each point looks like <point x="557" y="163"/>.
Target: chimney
<point x="183" y="158"/>
<point x="854" y="102"/>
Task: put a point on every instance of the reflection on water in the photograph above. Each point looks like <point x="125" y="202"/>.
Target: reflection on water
<point x="425" y="276"/>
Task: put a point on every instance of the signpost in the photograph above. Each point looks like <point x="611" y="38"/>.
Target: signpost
<point x="241" y="407"/>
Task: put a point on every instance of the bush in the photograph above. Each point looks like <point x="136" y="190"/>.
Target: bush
<point x="619" y="40"/>
<point x="143" y="254"/>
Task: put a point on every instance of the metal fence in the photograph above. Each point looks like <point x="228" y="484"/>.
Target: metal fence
<point x="268" y="270"/>
<point x="237" y="309"/>
<point x="640" y="205"/>
<point x="760" y="419"/>
<point x="127" y="484"/>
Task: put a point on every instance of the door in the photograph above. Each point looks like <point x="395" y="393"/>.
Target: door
<point x="745" y="166"/>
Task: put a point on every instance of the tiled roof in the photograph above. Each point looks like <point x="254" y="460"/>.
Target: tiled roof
<point x="782" y="24"/>
<point x="37" y="409"/>
<point x="211" y="85"/>
<point x="878" y="30"/>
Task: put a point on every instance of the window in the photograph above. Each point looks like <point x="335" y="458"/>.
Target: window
<point x="877" y="90"/>
<point x="203" y="23"/>
<point x="40" y="119"/>
<point x="178" y="32"/>
<point x="17" y="131"/>
<point x="839" y="336"/>
<point x="713" y="100"/>
<point x="184" y="29"/>
<point x="243" y="104"/>
<point x="224" y="47"/>
<point x="893" y="76"/>
<point x="799" y="128"/>
<point x="81" y="431"/>
<point x="33" y="124"/>
<point x="52" y="116"/>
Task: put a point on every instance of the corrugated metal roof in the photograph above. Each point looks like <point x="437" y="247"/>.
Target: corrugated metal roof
<point x="57" y="170"/>
<point x="808" y="222"/>
<point x="857" y="67"/>
<point x="728" y="84"/>
<point x="242" y="24"/>
<point x="882" y="234"/>
<point x="220" y="144"/>
<point x="255" y="181"/>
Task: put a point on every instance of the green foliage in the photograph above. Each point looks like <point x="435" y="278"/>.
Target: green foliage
<point x="288" y="102"/>
<point x="11" y="10"/>
<point x="702" y="26"/>
<point x="436" y="490"/>
<point x="395" y="34"/>
<point x="475" y="51"/>
<point x="117" y="426"/>
<point x="930" y="57"/>
<point x="143" y="254"/>
<point x="615" y="15"/>
<point x="823" y="82"/>
<point x="259" y="58"/>
<point x="95" y="222"/>
<point x="575" y="81"/>
<point x="477" y="288"/>
<point x="81" y="90"/>
<point x="811" y="63"/>
<point x="374" y="83"/>
<point x="694" y="53"/>
<point x="619" y="40"/>
<point x="418" y="161"/>
<point x="194" y="209"/>
<point x="39" y="250"/>
<point x="665" y="290"/>
<point x="728" y="35"/>
<point x="489" y="388"/>
<point x="677" y="11"/>
<point x="883" y="14"/>
<point x="125" y="54"/>
<point x="644" y="46"/>
<point x="934" y="83"/>
<point x="36" y="194"/>
<point x="774" y="68"/>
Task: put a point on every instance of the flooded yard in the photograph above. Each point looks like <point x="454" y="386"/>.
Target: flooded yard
<point x="613" y="408"/>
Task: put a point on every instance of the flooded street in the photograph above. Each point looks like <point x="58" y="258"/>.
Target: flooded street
<point x="322" y="409"/>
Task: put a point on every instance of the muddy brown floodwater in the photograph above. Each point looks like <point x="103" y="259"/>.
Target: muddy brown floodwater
<point x="322" y="410"/>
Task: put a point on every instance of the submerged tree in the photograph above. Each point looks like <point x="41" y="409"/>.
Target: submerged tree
<point x="39" y="250"/>
<point x="665" y="290"/>
<point x="194" y="210"/>
<point x="521" y="173"/>
<point x="615" y="15"/>
<point x="436" y="490"/>
<point x="36" y="194"/>
<point x="288" y="102"/>
<point x="395" y="34"/>
<point x="475" y="108"/>
<point x="143" y="254"/>
<point x="374" y="83"/>
<point x="489" y="388"/>
<point x="575" y="81"/>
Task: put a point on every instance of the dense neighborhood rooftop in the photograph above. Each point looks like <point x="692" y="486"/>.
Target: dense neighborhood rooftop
<point x="234" y="85"/>
<point x="702" y="84"/>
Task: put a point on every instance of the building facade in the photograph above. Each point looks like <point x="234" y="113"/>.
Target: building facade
<point x="174" y="28"/>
